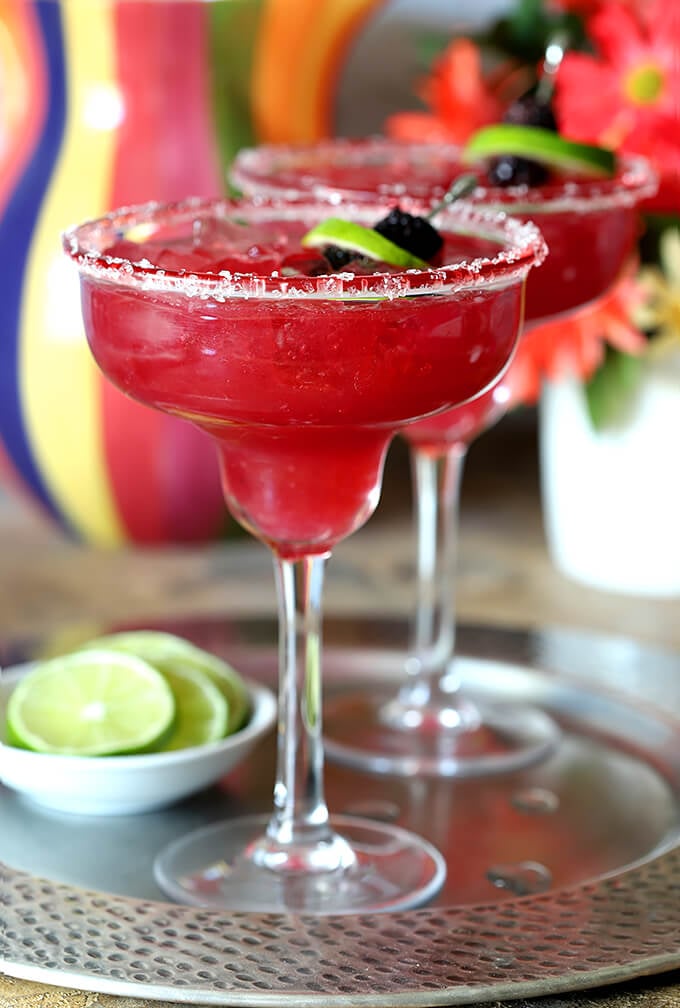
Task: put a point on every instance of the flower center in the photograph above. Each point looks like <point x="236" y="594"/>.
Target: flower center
<point x="644" y="84"/>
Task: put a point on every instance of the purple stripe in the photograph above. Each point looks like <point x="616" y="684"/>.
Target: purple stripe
<point x="17" y="226"/>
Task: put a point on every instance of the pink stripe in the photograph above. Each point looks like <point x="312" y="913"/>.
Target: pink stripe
<point x="164" y="479"/>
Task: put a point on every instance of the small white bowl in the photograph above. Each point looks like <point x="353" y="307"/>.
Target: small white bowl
<point x="122" y="785"/>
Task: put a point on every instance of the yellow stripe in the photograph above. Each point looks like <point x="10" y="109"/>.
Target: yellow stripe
<point x="58" y="377"/>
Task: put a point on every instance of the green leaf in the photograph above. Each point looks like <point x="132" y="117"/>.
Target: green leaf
<point x="529" y="27"/>
<point x="233" y="30"/>
<point x="650" y="240"/>
<point x="429" y="47"/>
<point x="610" y="393"/>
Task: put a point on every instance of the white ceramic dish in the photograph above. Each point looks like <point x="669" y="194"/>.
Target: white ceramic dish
<point x="122" y="785"/>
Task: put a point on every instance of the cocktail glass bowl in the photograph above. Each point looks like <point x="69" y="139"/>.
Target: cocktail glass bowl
<point x="430" y="724"/>
<point x="301" y="381"/>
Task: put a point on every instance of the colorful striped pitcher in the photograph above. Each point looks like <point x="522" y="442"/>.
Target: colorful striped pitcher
<point x="105" y="103"/>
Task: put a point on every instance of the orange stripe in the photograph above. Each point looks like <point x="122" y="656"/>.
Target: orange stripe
<point x="22" y="90"/>
<point x="298" y="55"/>
<point x="340" y="25"/>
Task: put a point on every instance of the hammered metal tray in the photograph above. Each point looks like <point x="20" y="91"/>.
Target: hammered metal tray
<point x="561" y="877"/>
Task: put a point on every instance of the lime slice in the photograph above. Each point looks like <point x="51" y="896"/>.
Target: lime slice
<point x="202" y="710"/>
<point x="542" y="145"/>
<point x="362" y="240"/>
<point x="229" y="682"/>
<point x="91" y="703"/>
<point x="168" y="652"/>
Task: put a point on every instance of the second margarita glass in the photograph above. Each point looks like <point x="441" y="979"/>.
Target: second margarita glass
<point x="431" y="724"/>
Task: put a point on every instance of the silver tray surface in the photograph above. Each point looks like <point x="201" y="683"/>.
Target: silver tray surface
<point x="560" y="877"/>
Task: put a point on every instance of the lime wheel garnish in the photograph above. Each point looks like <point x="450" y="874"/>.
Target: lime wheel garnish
<point x="542" y="146"/>
<point x="362" y="241"/>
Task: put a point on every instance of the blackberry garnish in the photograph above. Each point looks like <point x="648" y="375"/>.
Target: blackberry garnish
<point x="528" y="110"/>
<point x="511" y="170"/>
<point x="415" y="234"/>
<point x="412" y="234"/>
<point x="339" y="257"/>
<point x="400" y="239"/>
<point x="306" y="263"/>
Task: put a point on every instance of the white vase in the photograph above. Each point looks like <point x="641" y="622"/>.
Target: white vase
<point x="611" y="498"/>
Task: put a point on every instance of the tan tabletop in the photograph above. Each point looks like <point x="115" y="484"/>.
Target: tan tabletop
<point x="51" y="586"/>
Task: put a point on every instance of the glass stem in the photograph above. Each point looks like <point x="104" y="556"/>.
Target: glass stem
<point x="432" y="683"/>
<point x="299" y="835"/>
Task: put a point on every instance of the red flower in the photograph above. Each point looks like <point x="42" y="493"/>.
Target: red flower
<point x="627" y="96"/>
<point x="586" y="7"/>
<point x="576" y="344"/>
<point x="460" y="97"/>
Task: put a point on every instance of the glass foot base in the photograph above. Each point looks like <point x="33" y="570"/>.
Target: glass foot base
<point x="359" y="733"/>
<point x="393" y="870"/>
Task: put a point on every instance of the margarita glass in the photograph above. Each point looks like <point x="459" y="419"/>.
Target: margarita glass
<point x="432" y="725"/>
<point x="301" y="380"/>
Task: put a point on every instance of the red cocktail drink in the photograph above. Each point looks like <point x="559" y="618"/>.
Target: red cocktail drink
<point x="301" y="376"/>
<point x="460" y="425"/>
<point x="301" y="394"/>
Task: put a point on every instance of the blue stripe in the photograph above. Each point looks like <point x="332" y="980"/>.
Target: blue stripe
<point x="17" y="226"/>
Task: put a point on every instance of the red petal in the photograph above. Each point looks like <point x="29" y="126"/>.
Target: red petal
<point x="588" y="98"/>
<point x="418" y="127"/>
<point x="616" y="34"/>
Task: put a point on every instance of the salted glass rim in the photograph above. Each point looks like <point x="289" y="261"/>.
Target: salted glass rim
<point x="523" y="246"/>
<point x="635" y="180"/>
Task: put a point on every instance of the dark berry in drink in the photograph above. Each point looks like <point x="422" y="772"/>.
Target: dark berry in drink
<point x="306" y="263"/>
<point x="531" y="111"/>
<point x="414" y="234"/>
<point x="509" y="170"/>
<point x="337" y="257"/>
